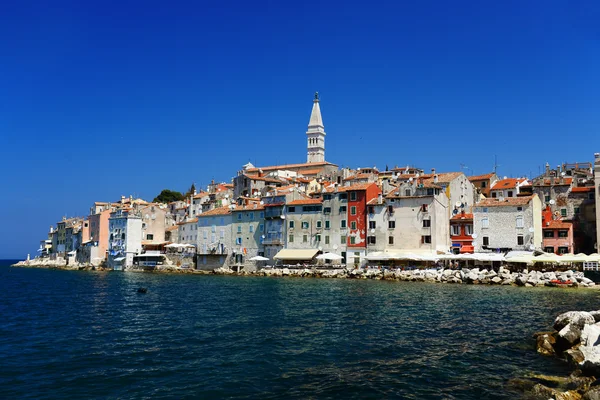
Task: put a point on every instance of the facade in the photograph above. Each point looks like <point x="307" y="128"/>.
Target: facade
<point x="483" y="183"/>
<point x="504" y="224"/>
<point x="558" y="237"/>
<point x="305" y="225"/>
<point x="215" y="238"/>
<point x="99" y="233"/>
<point x="188" y="232"/>
<point x="507" y="187"/>
<point x="155" y="220"/>
<point x="125" y="238"/>
<point x="315" y="135"/>
<point x="248" y="219"/>
<point x="461" y="231"/>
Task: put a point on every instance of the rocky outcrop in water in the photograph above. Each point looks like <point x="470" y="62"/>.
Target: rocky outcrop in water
<point x="575" y="339"/>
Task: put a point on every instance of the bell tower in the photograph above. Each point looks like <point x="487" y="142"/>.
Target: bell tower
<point x="315" y="134"/>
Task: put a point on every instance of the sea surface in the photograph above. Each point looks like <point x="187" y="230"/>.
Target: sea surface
<point x="86" y="334"/>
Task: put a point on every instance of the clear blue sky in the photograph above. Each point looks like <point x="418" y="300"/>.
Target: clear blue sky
<point x="100" y="99"/>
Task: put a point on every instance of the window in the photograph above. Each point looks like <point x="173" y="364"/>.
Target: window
<point x="520" y="240"/>
<point x="547" y="198"/>
<point x="343" y="196"/>
<point x="353" y="225"/>
<point x="327" y="210"/>
<point x="509" y="193"/>
<point x="429" y="192"/>
<point x="213" y="229"/>
<point x="407" y="192"/>
<point x="221" y="234"/>
<point x="372" y="225"/>
<point x="291" y="239"/>
<point x="391" y="209"/>
<point x="239" y="230"/>
<point x="352" y="240"/>
<point x="326" y="197"/>
<point x="548" y="233"/>
<point x="519" y="208"/>
<point x="304" y="238"/>
<point x="563" y="212"/>
<point x="520" y="221"/>
<point x="486" y="241"/>
<point x="149" y="237"/>
<point x="343" y="223"/>
<point x="205" y="234"/>
<point x="590" y="196"/>
<point x="353" y="210"/>
<point x="238" y="240"/>
<point x="371" y="240"/>
<point x="468" y="229"/>
<point x="485" y="223"/>
<point x="390" y="240"/>
<point x="426" y="239"/>
<point x="576" y="210"/>
<point x="549" y="249"/>
<point x="239" y="216"/>
<point x="326" y="239"/>
<point x="304" y="224"/>
<point x="352" y="196"/>
<point x="342" y="209"/>
<point x="563" y="250"/>
<point x="426" y="223"/>
<point x="455" y="230"/>
<point x="483" y="184"/>
<point x="563" y="234"/>
<point x="318" y="237"/>
<point x="343" y="239"/>
<point x="291" y="209"/>
<point x="484" y="209"/>
<point x="261" y="228"/>
<point x="251" y="228"/>
<point x="319" y="224"/>
<point x="261" y="215"/>
<point x="327" y="224"/>
<point x="424" y="207"/>
<point x="291" y="224"/>
<point x="251" y="216"/>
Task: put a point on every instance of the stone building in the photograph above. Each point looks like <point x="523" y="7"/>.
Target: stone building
<point x="215" y="238"/>
<point x="248" y="219"/>
<point x="511" y="223"/>
<point x="305" y="224"/>
<point x="483" y="184"/>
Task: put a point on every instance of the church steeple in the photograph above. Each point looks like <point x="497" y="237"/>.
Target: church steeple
<point x="316" y="134"/>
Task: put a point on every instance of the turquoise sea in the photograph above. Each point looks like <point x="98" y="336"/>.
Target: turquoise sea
<point x="76" y="334"/>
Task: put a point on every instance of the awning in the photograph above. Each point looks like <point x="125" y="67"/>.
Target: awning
<point x="296" y="254"/>
<point x="259" y="258"/>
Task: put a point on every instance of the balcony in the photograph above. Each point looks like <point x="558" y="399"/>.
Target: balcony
<point x="273" y="241"/>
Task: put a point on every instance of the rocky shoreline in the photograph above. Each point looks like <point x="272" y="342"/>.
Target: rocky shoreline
<point x="576" y="340"/>
<point x="503" y="276"/>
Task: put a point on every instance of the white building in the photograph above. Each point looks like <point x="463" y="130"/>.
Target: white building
<point x="215" y="238"/>
<point x="508" y="187"/>
<point x="511" y="223"/>
<point x="125" y="238"/>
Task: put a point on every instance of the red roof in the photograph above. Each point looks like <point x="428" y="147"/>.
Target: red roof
<point x="305" y="202"/>
<point x="582" y="189"/>
<point x="217" y="211"/>
<point x="557" y="224"/>
<point x="509" y="183"/>
<point x="506" y="202"/>
<point x="484" y="177"/>
<point x="461" y="217"/>
<point x="554" y="182"/>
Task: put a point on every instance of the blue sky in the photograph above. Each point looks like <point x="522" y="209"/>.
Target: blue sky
<point x="103" y="99"/>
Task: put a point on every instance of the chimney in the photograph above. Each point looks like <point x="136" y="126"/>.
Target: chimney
<point x="547" y="169"/>
<point x="380" y="198"/>
<point x="435" y="178"/>
<point x="432" y="171"/>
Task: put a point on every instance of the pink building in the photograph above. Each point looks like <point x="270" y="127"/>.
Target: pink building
<point x="558" y="237"/>
<point x="99" y="231"/>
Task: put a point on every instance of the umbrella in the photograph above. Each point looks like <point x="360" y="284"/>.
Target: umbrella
<point x="331" y="256"/>
<point x="259" y="258"/>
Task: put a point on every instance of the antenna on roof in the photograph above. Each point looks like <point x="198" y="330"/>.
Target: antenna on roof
<point x="496" y="165"/>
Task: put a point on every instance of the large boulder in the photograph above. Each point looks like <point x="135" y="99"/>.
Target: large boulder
<point x="576" y="318"/>
<point x="596" y="315"/>
<point x="545" y="343"/>
<point x="593" y="394"/>
<point x="569" y="336"/>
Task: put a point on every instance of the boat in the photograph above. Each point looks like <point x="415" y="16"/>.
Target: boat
<point x="561" y="282"/>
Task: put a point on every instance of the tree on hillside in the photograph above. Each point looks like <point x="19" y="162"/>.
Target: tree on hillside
<point x="167" y="196"/>
<point x="190" y="192"/>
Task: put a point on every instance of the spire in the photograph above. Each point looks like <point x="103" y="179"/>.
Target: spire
<point x="315" y="115"/>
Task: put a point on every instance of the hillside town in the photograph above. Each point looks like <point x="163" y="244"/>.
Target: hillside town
<point x="297" y="214"/>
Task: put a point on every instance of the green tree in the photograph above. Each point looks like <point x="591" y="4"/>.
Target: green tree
<point x="167" y="196"/>
<point x="190" y="192"/>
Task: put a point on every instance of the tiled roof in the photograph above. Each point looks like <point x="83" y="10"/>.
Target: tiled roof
<point x="314" y="171"/>
<point x="217" y="211"/>
<point x="481" y="177"/>
<point x="461" y="217"/>
<point x="171" y="228"/>
<point x="200" y="195"/>
<point x="358" y="186"/>
<point x="583" y="189"/>
<point x="506" y="202"/>
<point x="305" y="202"/>
<point x="508" y="183"/>
<point x="444" y="177"/>
<point x="263" y="178"/>
<point x="287" y="166"/>
<point x="553" y="182"/>
<point x="249" y="207"/>
<point x="557" y="224"/>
